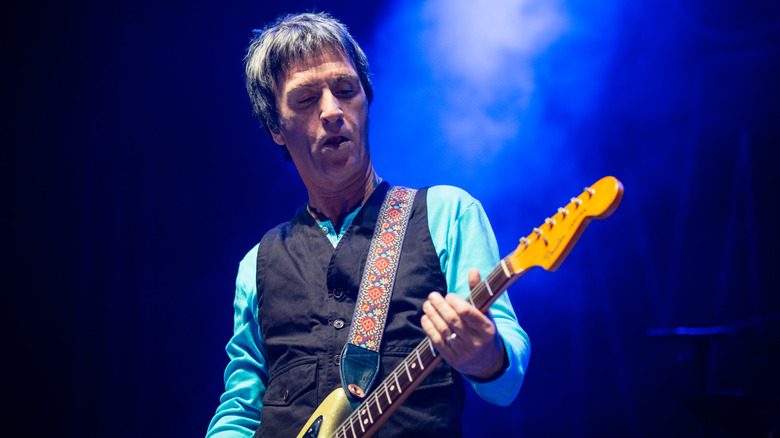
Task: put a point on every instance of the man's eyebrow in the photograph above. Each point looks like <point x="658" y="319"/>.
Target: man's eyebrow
<point x="300" y="86"/>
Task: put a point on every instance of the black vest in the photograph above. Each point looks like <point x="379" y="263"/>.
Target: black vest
<point x="306" y="292"/>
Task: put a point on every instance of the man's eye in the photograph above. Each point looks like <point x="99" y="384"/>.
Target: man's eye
<point x="305" y="100"/>
<point x="345" y="90"/>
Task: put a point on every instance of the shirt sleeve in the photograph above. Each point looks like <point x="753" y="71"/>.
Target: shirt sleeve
<point x="246" y="374"/>
<point x="464" y="240"/>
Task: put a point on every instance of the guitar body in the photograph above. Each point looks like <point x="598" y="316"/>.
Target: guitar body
<point x="329" y="415"/>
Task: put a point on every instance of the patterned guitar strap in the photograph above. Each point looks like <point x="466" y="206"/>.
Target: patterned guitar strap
<point x="359" y="362"/>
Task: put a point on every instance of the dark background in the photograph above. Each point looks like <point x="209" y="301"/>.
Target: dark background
<point x="135" y="178"/>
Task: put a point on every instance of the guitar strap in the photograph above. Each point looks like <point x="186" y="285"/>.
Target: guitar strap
<point x="359" y="362"/>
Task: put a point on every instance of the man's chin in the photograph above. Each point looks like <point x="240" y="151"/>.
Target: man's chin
<point x="343" y="168"/>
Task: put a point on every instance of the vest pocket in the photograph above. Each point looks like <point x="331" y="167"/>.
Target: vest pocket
<point x="291" y="381"/>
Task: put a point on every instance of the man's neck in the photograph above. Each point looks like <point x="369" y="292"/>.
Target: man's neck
<point x="336" y="205"/>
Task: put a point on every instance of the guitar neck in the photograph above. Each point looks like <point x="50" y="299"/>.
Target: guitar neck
<point x="386" y="398"/>
<point x="547" y="246"/>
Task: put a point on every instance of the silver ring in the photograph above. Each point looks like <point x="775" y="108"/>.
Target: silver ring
<point x="451" y="339"/>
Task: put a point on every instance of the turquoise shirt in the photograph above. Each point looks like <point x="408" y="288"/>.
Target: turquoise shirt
<point x="451" y="213"/>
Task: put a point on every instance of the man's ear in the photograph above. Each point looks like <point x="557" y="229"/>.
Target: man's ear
<point x="278" y="138"/>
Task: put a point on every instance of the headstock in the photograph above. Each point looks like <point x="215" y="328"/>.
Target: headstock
<point x="549" y="244"/>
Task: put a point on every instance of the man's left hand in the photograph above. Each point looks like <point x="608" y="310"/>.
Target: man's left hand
<point x="465" y="337"/>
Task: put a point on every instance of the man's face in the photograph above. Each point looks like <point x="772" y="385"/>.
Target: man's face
<point x="323" y="121"/>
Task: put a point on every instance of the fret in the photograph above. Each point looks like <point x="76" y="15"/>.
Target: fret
<point x="352" y="426"/>
<point x="398" y="385"/>
<point x="506" y="269"/>
<point x="430" y="346"/>
<point x="387" y="394"/>
<point x="360" y="421"/>
<point x="378" y="406"/>
<point x="343" y="429"/>
<point x="406" y="365"/>
<point x="368" y="411"/>
<point x="416" y="350"/>
<point x="487" y="285"/>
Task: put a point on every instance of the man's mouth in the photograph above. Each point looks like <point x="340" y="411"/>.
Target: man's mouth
<point x="335" y="141"/>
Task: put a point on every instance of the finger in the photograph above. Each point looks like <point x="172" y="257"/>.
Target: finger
<point x="478" y="323"/>
<point x="432" y="312"/>
<point x="431" y="330"/>
<point x="442" y="340"/>
<point x="446" y="312"/>
<point x="470" y="319"/>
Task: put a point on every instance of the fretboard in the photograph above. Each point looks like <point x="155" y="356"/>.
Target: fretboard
<point x="378" y="406"/>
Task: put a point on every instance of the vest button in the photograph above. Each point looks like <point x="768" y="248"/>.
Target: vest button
<point x="337" y="359"/>
<point x="339" y="323"/>
<point x="338" y="293"/>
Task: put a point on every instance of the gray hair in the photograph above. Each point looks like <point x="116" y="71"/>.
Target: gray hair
<point x="290" y="39"/>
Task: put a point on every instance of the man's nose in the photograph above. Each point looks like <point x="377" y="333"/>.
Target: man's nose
<point x="330" y="108"/>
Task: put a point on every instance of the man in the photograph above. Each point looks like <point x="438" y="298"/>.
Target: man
<point x="310" y="86"/>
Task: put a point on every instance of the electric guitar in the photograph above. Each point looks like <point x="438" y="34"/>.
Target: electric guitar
<point x="547" y="246"/>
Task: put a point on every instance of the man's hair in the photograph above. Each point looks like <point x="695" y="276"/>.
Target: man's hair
<point x="291" y="39"/>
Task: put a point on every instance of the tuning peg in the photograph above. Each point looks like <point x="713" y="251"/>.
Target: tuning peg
<point x="577" y="201"/>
